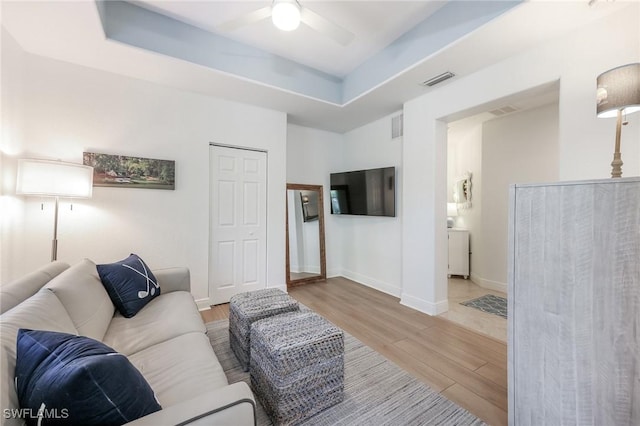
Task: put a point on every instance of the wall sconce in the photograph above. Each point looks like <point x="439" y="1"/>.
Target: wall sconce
<point x="54" y="179"/>
<point x="452" y="212"/>
<point x="618" y="92"/>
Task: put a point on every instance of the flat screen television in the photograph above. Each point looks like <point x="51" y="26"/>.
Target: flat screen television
<point x="364" y="192"/>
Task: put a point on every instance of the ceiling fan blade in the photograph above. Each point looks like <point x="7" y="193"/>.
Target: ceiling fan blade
<point x="326" y="27"/>
<point x="247" y="19"/>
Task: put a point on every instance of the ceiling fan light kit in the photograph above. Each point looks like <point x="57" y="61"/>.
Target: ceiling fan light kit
<point x="285" y="14"/>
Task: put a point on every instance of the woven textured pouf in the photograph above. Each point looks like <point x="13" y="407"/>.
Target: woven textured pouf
<point x="297" y="365"/>
<point x="245" y="308"/>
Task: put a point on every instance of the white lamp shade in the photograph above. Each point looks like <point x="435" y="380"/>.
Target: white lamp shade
<point x="452" y="210"/>
<point x="619" y="89"/>
<point x="54" y="179"/>
<point x="285" y="15"/>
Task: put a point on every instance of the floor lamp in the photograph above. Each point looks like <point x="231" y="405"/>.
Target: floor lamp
<point x="56" y="179"/>
<point x="618" y="93"/>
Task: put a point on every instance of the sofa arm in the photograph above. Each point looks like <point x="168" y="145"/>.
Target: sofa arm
<point x="229" y="405"/>
<point x="173" y="279"/>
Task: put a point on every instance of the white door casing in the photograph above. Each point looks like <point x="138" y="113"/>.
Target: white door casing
<point x="238" y="213"/>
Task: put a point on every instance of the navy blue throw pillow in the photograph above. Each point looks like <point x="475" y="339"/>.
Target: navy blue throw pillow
<point x="62" y="379"/>
<point x="130" y="284"/>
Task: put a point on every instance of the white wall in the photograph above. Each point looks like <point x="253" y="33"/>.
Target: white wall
<point x="584" y="140"/>
<point x="518" y="148"/>
<point x="69" y="109"/>
<point x="304" y="242"/>
<point x="311" y="155"/>
<point x="464" y="154"/>
<point x="372" y="246"/>
<point x="311" y="237"/>
<point x="11" y="133"/>
<point x="296" y="250"/>
<point x="364" y="249"/>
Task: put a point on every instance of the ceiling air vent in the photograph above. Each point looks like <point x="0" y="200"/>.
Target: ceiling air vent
<point x="504" y="110"/>
<point x="438" y="79"/>
<point x="397" y="124"/>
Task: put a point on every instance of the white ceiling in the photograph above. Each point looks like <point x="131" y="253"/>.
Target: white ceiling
<point x="73" y="32"/>
<point x="375" y="25"/>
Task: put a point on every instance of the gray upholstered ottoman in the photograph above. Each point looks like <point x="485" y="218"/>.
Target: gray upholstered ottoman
<point x="245" y="308"/>
<point x="297" y="365"/>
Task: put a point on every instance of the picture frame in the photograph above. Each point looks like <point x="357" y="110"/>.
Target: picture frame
<point x="121" y="171"/>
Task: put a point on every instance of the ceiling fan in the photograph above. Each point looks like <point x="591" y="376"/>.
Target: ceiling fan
<point x="287" y="15"/>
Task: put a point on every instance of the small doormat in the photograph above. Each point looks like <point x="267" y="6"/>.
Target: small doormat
<point x="489" y="303"/>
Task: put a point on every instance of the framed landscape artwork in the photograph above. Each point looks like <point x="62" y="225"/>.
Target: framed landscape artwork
<point x="130" y="172"/>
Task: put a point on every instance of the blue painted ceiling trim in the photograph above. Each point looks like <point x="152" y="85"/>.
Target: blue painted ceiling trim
<point x="136" y="26"/>
<point x="448" y="24"/>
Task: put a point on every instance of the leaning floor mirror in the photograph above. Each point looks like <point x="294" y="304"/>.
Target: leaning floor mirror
<point x="305" y="234"/>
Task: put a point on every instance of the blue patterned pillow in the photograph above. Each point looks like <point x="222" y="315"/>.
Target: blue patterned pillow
<point x="130" y="284"/>
<point x="67" y="379"/>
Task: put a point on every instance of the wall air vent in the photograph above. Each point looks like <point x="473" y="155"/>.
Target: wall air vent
<point x="397" y="126"/>
<point x="438" y="79"/>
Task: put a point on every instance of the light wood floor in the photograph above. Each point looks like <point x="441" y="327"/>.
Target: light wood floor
<point x="467" y="367"/>
<point x="460" y="290"/>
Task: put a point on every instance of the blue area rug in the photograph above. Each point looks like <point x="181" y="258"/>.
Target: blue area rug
<point x="489" y="303"/>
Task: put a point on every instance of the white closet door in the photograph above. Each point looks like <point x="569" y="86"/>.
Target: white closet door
<point x="238" y="210"/>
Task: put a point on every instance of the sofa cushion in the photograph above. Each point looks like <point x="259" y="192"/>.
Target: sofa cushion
<point x="130" y="284"/>
<point x="80" y="379"/>
<point x="85" y="299"/>
<point x="164" y="318"/>
<point x="41" y="311"/>
<point x="15" y="292"/>
<point x="180" y="368"/>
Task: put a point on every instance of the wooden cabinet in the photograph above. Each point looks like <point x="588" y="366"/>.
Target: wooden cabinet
<point x="574" y="303"/>
<point x="458" y="252"/>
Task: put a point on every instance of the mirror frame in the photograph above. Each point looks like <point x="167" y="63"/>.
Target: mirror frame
<point x="323" y="261"/>
<point x="463" y="184"/>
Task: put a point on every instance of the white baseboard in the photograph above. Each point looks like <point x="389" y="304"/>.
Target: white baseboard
<point x="311" y="269"/>
<point x="488" y="284"/>
<point x="203" y="304"/>
<point x="372" y="282"/>
<point x="405" y="299"/>
<point x="332" y="273"/>
<point x="302" y="269"/>
<point x="424" y="306"/>
<point x="282" y="287"/>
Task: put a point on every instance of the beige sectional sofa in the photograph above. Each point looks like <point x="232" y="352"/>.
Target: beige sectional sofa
<point x="165" y="341"/>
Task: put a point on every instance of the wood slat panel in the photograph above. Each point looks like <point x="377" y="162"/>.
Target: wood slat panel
<point x="574" y="303"/>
